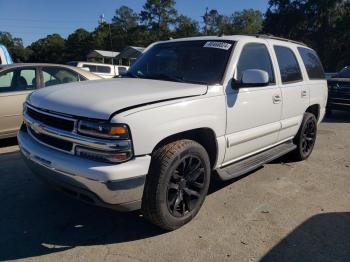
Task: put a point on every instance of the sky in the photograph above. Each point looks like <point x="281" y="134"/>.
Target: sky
<point x="34" y="19"/>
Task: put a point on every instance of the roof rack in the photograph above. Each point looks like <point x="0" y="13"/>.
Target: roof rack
<point x="268" y="36"/>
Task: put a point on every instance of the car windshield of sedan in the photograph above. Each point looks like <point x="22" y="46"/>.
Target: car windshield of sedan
<point x="344" y="73"/>
<point x="197" y="62"/>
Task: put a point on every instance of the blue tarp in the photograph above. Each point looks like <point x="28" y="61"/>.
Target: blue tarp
<point x="6" y="55"/>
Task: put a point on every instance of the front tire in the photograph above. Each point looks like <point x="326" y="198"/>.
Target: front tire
<point x="177" y="184"/>
<point x="306" y="137"/>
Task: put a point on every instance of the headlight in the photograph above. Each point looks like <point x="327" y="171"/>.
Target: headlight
<point x="103" y="130"/>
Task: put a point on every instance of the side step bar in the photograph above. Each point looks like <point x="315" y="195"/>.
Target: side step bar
<point x="253" y="162"/>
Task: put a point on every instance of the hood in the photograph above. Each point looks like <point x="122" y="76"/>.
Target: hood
<point x="100" y="99"/>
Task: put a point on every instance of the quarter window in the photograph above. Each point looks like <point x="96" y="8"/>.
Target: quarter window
<point x="255" y="56"/>
<point x="288" y="64"/>
<point x="18" y="80"/>
<point x="312" y="63"/>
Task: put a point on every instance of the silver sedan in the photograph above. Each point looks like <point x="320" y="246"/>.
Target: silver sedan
<point x="18" y="80"/>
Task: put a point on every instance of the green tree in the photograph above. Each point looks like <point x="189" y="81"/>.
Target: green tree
<point x="158" y="15"/>
<point x="125" y="18"/>
<point x="249" y="21"/>
<point x="78" y="45"/>
<point x="124" y="27"/>
<point x="319" y="23"/>
<point x="15" y="47"/>
<point x="186" y="27"/>
<point x="48" y="50"/>
<point x="213" y="22"/>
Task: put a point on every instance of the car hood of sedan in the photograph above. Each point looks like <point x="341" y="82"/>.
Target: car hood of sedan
<point x="100" y="99"/>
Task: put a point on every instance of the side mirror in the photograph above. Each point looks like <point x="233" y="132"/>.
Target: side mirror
<point x="253" y="78"/>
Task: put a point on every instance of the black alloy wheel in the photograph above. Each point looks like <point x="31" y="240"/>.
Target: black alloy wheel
<point x="185" y="186"/>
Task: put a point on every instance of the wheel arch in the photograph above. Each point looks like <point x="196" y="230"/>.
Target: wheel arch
<point x="204" y="136"/>
<point x="315" y="110"/>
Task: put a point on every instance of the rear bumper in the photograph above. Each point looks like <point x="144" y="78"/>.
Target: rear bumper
<point x="118" y="187"/>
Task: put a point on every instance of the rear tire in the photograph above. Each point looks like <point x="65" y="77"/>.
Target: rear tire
<point x="177" y="184"/>
<point x="306" y="137"/>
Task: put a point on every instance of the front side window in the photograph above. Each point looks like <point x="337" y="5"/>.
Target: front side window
<point x="312" y="63"/>
<point x="288" y="64"/>
<point x="18" y="80"/>
<point x="92" y="68"/>
<point x="202" y="62"/>
<point x="255" y="56"/>
<point x="56" y="76"/>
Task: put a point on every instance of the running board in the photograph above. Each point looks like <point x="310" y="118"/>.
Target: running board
<point x="253" y="162"/>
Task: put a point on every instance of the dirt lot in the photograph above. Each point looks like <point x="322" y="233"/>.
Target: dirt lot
<point x="282" y="212"/>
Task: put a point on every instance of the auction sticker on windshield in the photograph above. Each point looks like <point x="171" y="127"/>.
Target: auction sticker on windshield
<point x="219" y="45"/>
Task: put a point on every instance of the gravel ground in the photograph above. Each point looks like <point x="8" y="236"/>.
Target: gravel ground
<point x="284" y="211"/>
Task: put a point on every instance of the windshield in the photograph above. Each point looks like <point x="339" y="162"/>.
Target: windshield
<point x="344" y="73"/>
<point x="202" y="62"/>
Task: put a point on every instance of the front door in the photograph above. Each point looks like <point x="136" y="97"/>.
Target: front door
<point x="15" y="85"/>
<point x="253" y="114"/>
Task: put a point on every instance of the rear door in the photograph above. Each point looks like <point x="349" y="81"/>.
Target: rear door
<point x="15" y="85"/>
<point x="295" y="93"/>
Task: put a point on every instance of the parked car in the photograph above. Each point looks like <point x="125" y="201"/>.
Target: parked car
<point x="152" y="138"/>
<point x="5" y="57"/>
<point x="103" y="70"/>
<point x="18" y="80"/>
<point x="339" y="91"/>
<point x="330" y="75"/>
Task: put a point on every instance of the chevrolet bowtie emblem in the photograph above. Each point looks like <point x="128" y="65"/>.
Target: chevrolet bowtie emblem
<point x="36" y="127"/>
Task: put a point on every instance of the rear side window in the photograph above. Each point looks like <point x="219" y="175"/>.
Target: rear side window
<point x="57" y="75"/>
<point x="103" y="69"/>
<point x="255" y="56"/>
<point x="288" y="64"/>
<point x="312" y="63"/>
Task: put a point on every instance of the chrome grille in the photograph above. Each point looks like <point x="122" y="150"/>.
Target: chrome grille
<point x="51" y="120"/>
<point x="59" y="132"/>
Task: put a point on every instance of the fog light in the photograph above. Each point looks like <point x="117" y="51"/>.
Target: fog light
<point x="102" y="156"/>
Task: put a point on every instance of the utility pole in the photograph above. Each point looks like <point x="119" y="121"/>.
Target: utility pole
<point x="101" y="21"/>
<point x="205" y="18"/>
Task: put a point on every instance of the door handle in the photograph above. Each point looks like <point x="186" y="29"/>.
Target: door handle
<point x="276" y="99"/>
<point x="304" y="93"/>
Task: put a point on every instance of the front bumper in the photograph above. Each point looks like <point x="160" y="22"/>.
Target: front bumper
<point x="338" y="100"/>
<point x="118" y="187"/>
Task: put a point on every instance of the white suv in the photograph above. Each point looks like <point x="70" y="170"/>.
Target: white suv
<point x="151" y="139"/>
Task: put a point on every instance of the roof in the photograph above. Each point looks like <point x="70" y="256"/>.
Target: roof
<point x="236" y="38"/>
<point x="130" y="52"/>
<point x="85" y="73"/>
<point x="102" y="53"/>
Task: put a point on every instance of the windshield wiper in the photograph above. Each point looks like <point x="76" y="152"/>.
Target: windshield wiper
<point x="175" y="78"/>
<point x="165" y="77"/>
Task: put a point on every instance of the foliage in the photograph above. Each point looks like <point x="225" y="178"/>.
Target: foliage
<point x="15" y="47"/>
<point x="186" y="27"/>
<point x="321" y="24"/>
<point x="157" y="15"/>
<point x="47" y="50"/>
